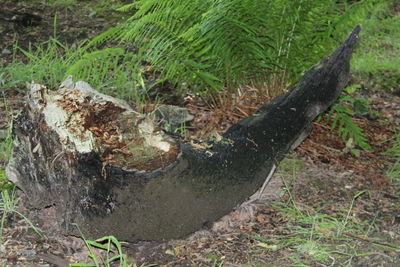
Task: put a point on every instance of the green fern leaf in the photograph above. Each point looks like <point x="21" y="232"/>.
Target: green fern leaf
<point x="93" y="67"/>
<point x="234" y="42"/>
<point x="346" y="127"/>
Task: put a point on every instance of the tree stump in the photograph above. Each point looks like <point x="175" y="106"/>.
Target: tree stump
<point x="109" y="169"/>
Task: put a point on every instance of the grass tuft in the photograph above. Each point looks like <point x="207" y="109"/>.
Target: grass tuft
<point x="8" y="206"/>
<point x="106" y="251"/>
<point x="394" y="155"/>
<point x="313" y="237"/>
<point x="5" y="135"/>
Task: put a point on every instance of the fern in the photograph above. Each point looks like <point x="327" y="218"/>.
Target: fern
<point x="212" y="45"/>
<point x="340" y="117"/>
<point x="346" y="127"/>
<point x="113" y="71"/>
<point x="95" y="66"/>
<point x="109" y="35"/>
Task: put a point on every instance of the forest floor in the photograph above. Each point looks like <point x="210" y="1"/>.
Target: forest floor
<point x="327" y="204"/>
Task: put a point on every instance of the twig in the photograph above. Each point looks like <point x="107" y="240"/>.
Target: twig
<point x="322" y="125"/>
<point x="53" y="259"/>
<point x="267" y="181"/>
<point x="262" y="189"/>
<point x="326" y="147"/>
<point x="56" y="158"/>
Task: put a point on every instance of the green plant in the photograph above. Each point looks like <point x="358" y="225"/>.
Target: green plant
<point x="112" y="71"/>
<point x="345" y="221"/>
<point x="2" y="75"/>
<point x="113" y="252"/>
<point x="376" y="63"/>
<point x="312" y="236"/>
<point x="4" y="182"/>
<point x="394" y="153"/>
<point x="62" y="3"/>
<point x="340" y="117"/>
<point x="379" y="42"/>
<point x="181" y="130"/>
<point x="5" y="135"/>
<point x="46" y="64"/>
<point x="8" y="205"/>
<point x="211" y="45"/>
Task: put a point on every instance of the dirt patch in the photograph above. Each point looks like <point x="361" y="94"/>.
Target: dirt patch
<point x="29" y="23"/>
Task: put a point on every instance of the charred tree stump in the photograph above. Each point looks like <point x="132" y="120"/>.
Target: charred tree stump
<point x="109" y="169"/>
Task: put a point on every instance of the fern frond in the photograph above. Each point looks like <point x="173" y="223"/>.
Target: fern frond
<point x="215" y="44"/>
<point x="346" y="127"/>
<point x="93" y="67"/>
<point x="128" y="7"/>
<point x="353" y="14"/>
<point x="109" y="35"/>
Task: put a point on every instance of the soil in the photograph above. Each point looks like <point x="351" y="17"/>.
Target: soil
<point x="323" y="175"/>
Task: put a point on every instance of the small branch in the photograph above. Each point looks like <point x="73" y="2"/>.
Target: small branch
<point x="259" y="193"/>
<point x="326" y="147"/>
<point x="266" y="181"/>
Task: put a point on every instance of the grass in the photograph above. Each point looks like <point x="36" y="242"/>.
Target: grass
<point x="51" y="62"/>
<point x="394" y="155"/>
<point x="379" y="47"/>
<point x="45" y="63"/>
<point x="8" y="206"/>
<point x="106" y="252"/>
<point x="5" y="135"/>
<point x="4" y="183"/>
<point x="394" y="172"/>
<point x="62" y="3"/>
<point x="379" y="43"/>
<point x="312" y="237"/>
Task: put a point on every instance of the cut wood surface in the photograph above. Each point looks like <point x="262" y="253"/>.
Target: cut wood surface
<point x="93" y="160"/>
